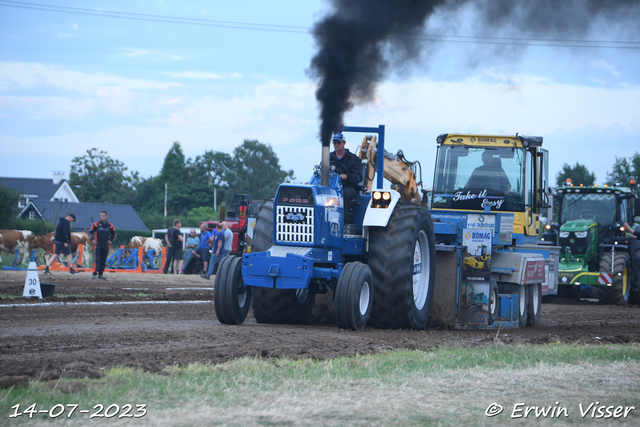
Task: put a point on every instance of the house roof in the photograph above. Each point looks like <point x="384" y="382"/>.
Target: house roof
<point x="41" y="187"/>
<point x="123" y="217"/>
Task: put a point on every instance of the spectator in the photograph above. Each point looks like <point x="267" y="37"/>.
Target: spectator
<point x="192" y="243"/>
<point x="62" y="241"/>
<point x="174" y="242"/>
<point x="228" y="238"/>
<point x="202" y="251"/>
<point x="103" y="233"/>
<point x="218" y="252"/>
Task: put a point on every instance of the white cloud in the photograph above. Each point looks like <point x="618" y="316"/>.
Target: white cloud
<point x="134" y="52"/>
<point x="192" y="75"/>
<point x="576" y="121"/>
<point x="519" y="102"/>
<point x="65" y="35"/>
<point x="20" y="75"/>
<point x="606" y="66"/>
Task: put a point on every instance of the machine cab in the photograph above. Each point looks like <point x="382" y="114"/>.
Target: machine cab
<point x="502" y="174"/>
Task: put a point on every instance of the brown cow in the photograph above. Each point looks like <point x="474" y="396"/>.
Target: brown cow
<point x="16" y="240"/>
<point x="146" y="243"/>
<point x="77" y="238"/>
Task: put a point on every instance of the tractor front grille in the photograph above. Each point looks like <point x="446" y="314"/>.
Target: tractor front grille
<point x="294" y="224"/>
<point x="578" y="246"/>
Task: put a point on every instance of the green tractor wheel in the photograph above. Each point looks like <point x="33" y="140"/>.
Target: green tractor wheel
<point x="618" y="292"/>
<point x="634" y="294"/>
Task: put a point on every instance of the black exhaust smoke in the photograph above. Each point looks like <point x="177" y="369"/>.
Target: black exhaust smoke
<point x="360" y="40"/>
<point x="350" y="60"/>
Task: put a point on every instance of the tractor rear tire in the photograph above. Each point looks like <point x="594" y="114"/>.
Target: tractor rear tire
<point x="535" y="304"/>
<point x="402" y="258"/>
<point x="263" y="231"/>
<point x="276" y="305"/>
<point x="618" y="292"/>
<point x="354" y="296"/>
<point x="230" y="297"/>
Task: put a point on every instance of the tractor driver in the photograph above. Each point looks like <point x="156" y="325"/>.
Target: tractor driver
<point x="490" y="175"/>
<point x="352" y="167"/>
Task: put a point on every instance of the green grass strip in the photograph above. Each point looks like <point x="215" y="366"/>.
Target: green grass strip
<point x="449" y="386"/>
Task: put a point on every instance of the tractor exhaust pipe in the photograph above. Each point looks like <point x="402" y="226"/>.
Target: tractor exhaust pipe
<point x="324" y="166"/>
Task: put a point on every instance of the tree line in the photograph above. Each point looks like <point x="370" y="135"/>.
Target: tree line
<point x="95" y="177"/>
<point x="253" y="168"/>
<point x="623" y="169"/>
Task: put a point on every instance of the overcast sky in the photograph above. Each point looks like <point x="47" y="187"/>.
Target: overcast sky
<point x="213" y="73"/>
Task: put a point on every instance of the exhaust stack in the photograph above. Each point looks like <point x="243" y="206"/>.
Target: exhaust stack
<point x="324" y="166"/>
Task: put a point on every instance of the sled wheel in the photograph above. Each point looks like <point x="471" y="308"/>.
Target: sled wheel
<point x="523" y="305"/>
<point x="535" y="304"/>
<point x="494" y="300"/>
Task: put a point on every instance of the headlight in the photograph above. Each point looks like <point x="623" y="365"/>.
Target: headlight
<point x="564" y="234"/>
<point x="380" y="199"/>
<point x="581" y="234"/>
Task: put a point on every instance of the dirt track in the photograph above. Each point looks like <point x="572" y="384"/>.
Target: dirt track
<point x="66" y="337"/>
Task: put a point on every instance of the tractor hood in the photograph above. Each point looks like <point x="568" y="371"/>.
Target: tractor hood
<point x="578" y="225"/>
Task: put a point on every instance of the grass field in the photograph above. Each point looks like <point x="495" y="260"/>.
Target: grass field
<point x="449" y="387"/>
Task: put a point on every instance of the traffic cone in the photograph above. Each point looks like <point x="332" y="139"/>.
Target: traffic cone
<point x="32" y="282"/>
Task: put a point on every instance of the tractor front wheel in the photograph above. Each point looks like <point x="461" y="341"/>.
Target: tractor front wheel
<point x="230" y="297"/>
<point x="354" y="296"/>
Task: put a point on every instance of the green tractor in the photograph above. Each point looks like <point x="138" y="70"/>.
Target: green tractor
<point x="597" y="251"/>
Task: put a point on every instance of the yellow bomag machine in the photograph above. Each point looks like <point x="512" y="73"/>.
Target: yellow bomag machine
<point x="488" y="195"/>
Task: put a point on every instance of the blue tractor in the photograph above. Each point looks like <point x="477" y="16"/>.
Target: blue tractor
<point x="379" y="269"/>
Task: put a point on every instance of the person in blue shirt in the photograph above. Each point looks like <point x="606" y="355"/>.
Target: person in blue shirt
<point x="217" y="251"/>
<point x="201" y="251"/>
